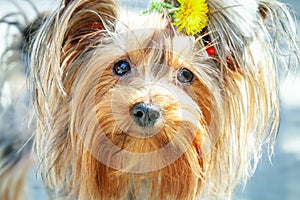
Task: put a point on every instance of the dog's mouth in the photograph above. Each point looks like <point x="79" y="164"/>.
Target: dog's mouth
<point x="146" y="150"/>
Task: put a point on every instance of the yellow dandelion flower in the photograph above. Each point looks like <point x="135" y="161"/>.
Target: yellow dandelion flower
<point x="191" y="16"/>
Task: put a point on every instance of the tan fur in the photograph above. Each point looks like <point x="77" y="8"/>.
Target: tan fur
<point x="214" y="127"/>
<point x="13" y="181"/>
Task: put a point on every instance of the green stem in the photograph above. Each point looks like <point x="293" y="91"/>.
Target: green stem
<point x="158" y="6"/>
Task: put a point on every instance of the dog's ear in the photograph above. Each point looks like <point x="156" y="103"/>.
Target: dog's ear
<point x="72" y="30"/>
<point x="87" y="20"/>
<point x="229" y="30"/>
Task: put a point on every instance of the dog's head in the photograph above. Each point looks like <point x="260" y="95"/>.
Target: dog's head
<point x="136" y="106"/>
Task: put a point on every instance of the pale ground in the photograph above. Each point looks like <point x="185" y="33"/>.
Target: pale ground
<point x="277" y="181"/>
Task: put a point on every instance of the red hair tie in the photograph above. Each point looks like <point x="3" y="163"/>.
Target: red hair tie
<point x="211" y="51"/>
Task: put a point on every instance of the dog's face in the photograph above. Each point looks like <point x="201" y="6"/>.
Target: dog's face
<point x="136" y="109"/>
<point x="144" y="87"/>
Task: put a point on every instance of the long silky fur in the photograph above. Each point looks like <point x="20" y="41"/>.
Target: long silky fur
<point x="15" y="134"/>
<point x="236" y="109"/>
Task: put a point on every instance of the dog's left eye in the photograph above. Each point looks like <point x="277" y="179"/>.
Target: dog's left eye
<point x="185" y="76"/>
<point x="121" y="67"/>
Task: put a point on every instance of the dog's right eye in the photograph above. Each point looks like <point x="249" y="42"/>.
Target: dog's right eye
<point x="185" y="76"/>
<point x="121" y="67"/>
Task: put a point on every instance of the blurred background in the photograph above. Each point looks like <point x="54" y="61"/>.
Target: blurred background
<point x="276" y="180"/>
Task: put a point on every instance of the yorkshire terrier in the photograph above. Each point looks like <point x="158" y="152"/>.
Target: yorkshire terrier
<point x="174" y="103"/>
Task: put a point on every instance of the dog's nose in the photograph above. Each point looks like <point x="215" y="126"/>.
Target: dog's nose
<point x="145" y="114"/>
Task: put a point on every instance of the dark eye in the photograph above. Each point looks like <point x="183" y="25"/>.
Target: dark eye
<point x="121" y="67"/>
<point x="185" y="76"/>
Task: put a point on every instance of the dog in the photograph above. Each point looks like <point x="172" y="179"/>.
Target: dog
<point x="175" y="103"/>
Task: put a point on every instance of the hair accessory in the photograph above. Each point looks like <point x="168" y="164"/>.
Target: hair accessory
<point x="190" y="16"/>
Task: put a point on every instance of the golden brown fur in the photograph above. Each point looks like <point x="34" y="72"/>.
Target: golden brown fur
<point x="212" y="130"/>
<point x="13" y="181"/>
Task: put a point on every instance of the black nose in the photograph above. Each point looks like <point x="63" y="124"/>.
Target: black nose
<point x="145" y="115"/>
